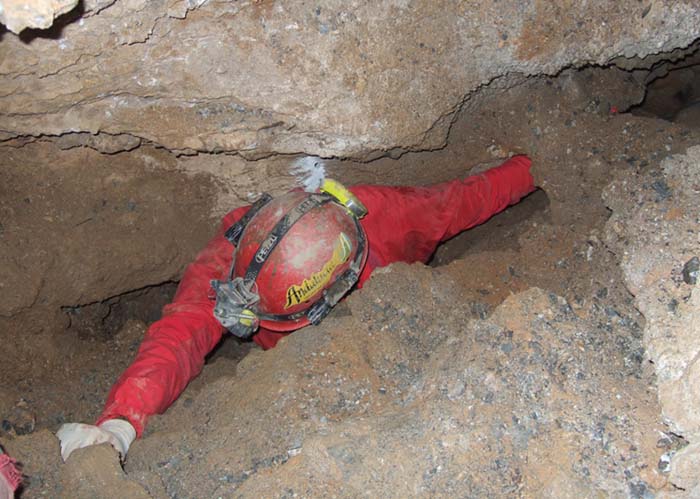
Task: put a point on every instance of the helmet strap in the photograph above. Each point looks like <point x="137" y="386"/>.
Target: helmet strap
<point x="235" y="298"/>
<point x="278" y="232"/>
<point x="233" y="233"/>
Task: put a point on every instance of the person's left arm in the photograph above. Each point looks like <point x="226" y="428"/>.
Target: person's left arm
<point x="407" y="223"/>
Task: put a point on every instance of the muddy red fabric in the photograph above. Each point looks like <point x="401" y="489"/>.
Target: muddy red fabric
<point x="403" y="224"/>
<point x="9" y="472"/>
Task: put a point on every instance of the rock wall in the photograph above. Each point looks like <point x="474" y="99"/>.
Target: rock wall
<point x="577" y="146"/>
<point x="654" y="231"/>
<point x="128" y="126"/>
<point x="333" y="78"/>
<point x="129" y="118"/>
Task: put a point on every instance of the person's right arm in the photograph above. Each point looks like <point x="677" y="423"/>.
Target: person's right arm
<point x="172" y="352"/>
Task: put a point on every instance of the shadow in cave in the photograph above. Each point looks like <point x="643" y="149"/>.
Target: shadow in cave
<point x="103" y="319"/>
<point x="673" y="92"/>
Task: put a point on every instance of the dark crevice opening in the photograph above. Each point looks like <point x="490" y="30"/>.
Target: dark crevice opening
<point x="103" y="319"/>
<point x="673" y="92"/>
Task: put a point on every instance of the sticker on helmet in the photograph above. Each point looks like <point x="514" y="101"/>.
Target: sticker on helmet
<point x="297" y="294"/>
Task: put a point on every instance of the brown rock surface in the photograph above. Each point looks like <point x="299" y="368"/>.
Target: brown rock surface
<point x="659" y="209"/>
<point x="685" y="472"/>
<point x="563" y="123"/>
<point x="87" y="201"/>
<point x="407" y="395"/>
<point x="654" y="231"/>
<point x="164" y="206"/>
<point x="95" y="473"/>
<point x="331" y="79"/>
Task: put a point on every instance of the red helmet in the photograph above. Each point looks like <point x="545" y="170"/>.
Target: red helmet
<point x="295" y="257"/>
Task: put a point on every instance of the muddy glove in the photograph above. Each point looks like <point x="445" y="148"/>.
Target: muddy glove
<point x="116" y="432"/>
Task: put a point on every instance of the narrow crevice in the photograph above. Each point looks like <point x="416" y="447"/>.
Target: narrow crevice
<point x="102" y="319"/>
<point x="673" y="91"/>
<point x="55" y="31"/>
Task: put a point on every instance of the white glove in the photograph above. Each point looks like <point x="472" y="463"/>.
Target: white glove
<point x="6" y="492"/>
<point x="117" y="432"/>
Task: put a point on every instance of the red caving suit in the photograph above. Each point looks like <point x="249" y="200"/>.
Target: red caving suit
<point x="403" y="224"/>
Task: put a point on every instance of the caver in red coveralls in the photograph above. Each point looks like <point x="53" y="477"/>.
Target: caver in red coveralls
<point x="403" y="224"/>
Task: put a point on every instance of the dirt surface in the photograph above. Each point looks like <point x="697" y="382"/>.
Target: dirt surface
<point x="513" y="366"/>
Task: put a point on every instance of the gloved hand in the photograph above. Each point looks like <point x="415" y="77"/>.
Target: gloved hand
<point x="10" y="477"/>
<point x="117" y="432"/>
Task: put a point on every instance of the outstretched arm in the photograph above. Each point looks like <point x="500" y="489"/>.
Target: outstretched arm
<point x="407" y="223"/>
<point x="173" y="350"/>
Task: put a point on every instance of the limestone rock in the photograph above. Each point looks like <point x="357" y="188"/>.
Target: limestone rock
<point x="17" y="16"/>
<point x="103" y="142"/>
<point x="334" y="78"/>
<point x="96" y="205"/>
<point x="94" y="472"/>
<point x="685" y="471"/>
<point x="40" y="458"/>
<point x="654" y="230"/>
